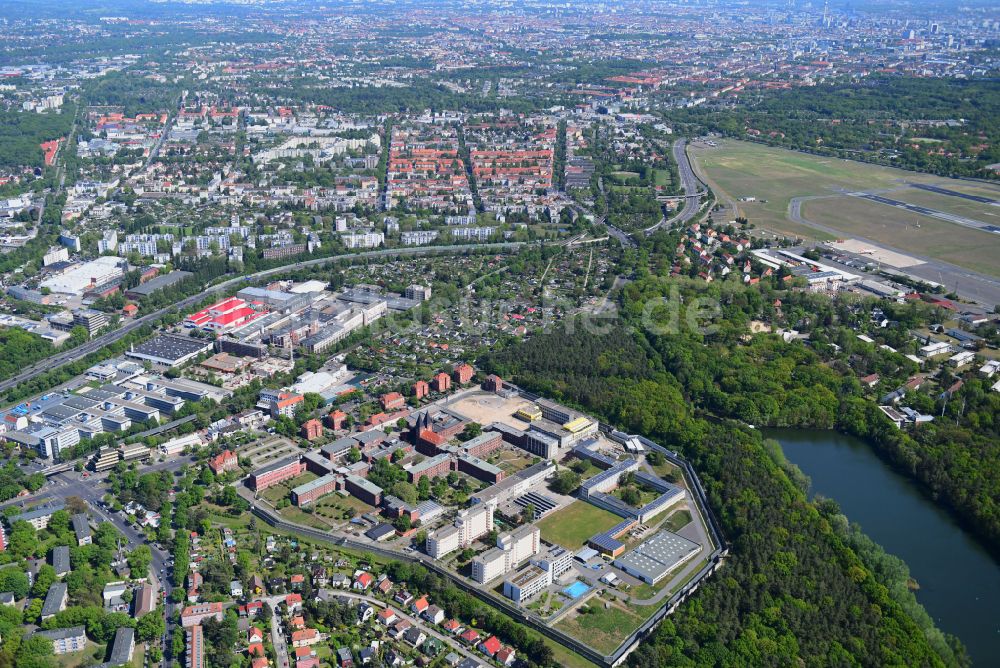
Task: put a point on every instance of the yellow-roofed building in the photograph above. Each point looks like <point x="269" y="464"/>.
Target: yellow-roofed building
<point x="577" y="425"/>
<point x="529" y="414"/>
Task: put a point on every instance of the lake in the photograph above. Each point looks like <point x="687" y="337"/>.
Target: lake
<point x="959" y="581"/>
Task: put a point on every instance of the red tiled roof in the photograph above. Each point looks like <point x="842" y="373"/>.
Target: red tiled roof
<point x="491" y="645"/>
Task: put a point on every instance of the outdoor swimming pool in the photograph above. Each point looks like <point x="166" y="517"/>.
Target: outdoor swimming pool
<point x="576" y="590"/>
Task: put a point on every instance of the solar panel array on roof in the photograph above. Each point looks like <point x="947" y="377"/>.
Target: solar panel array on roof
<point x="543" y="504"/>
<point x="606" y="540"/>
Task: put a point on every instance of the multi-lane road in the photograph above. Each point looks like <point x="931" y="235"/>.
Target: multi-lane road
<point x="104" y="340"/>
<point x="692" y="189"/>
<point x="63" y="485"/>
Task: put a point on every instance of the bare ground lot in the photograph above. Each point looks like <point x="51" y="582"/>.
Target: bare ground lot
<point x="486" y="407"/>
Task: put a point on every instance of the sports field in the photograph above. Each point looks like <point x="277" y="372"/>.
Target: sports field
<point x="571" y="526"/>
<point x="774" y="176"/>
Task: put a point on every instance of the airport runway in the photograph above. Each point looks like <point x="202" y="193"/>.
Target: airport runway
<point x="966" y="283"/>
<point x="954" y="193"/>
<point x="933" y="213"/>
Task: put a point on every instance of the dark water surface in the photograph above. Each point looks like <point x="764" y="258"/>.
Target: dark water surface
<point x="959" y="580"/>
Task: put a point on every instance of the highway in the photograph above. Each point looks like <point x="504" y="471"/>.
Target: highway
<point x="692" y="189"/>
<point x="104" y="340"/>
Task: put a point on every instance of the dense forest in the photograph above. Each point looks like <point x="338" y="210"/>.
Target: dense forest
<point x="134" y="94"/>
<point x="768" y="382"/>
<point x="944" y="126"/>
<point x="800" y="586"/>
<point x="22" y="133"/>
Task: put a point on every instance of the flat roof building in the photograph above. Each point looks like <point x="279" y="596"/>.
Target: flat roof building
<point x="656" y="557"/>
<point x="515" y="485"/>
<point x="170" y="350"/>
<point x="144" y="290"/>
<point x="83" y="277"/>
<point x="526" y="583"/>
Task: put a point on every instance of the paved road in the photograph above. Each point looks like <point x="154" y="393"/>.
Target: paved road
<point x="692" y="189"/>
<point x="932" y="213"/>
<point x="278" y="640"/>
<point x="954" y="193"/>
<point x="623" y="237"/>
<point x="428" y="629"/>
<point x="81" y="351"/>
<point x="966" y="283"/>
<point x="91" y="491"/>
<point x="155" y="151"/>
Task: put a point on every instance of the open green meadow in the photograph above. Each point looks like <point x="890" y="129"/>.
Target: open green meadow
<point x="774" y="177"/>
<point x="571" y="526"/>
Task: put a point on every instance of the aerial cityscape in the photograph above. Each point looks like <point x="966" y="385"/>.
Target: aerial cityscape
<point x="499" y="334"/>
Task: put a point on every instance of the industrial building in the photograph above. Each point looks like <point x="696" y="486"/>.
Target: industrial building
<point x="57" y="421"/>
<point x="225" y="316"/>
<point x="170" y="350"/>
<point x="144" y="290"/>
<point x="81" y="278"/>
<point x="658" y="556"/>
